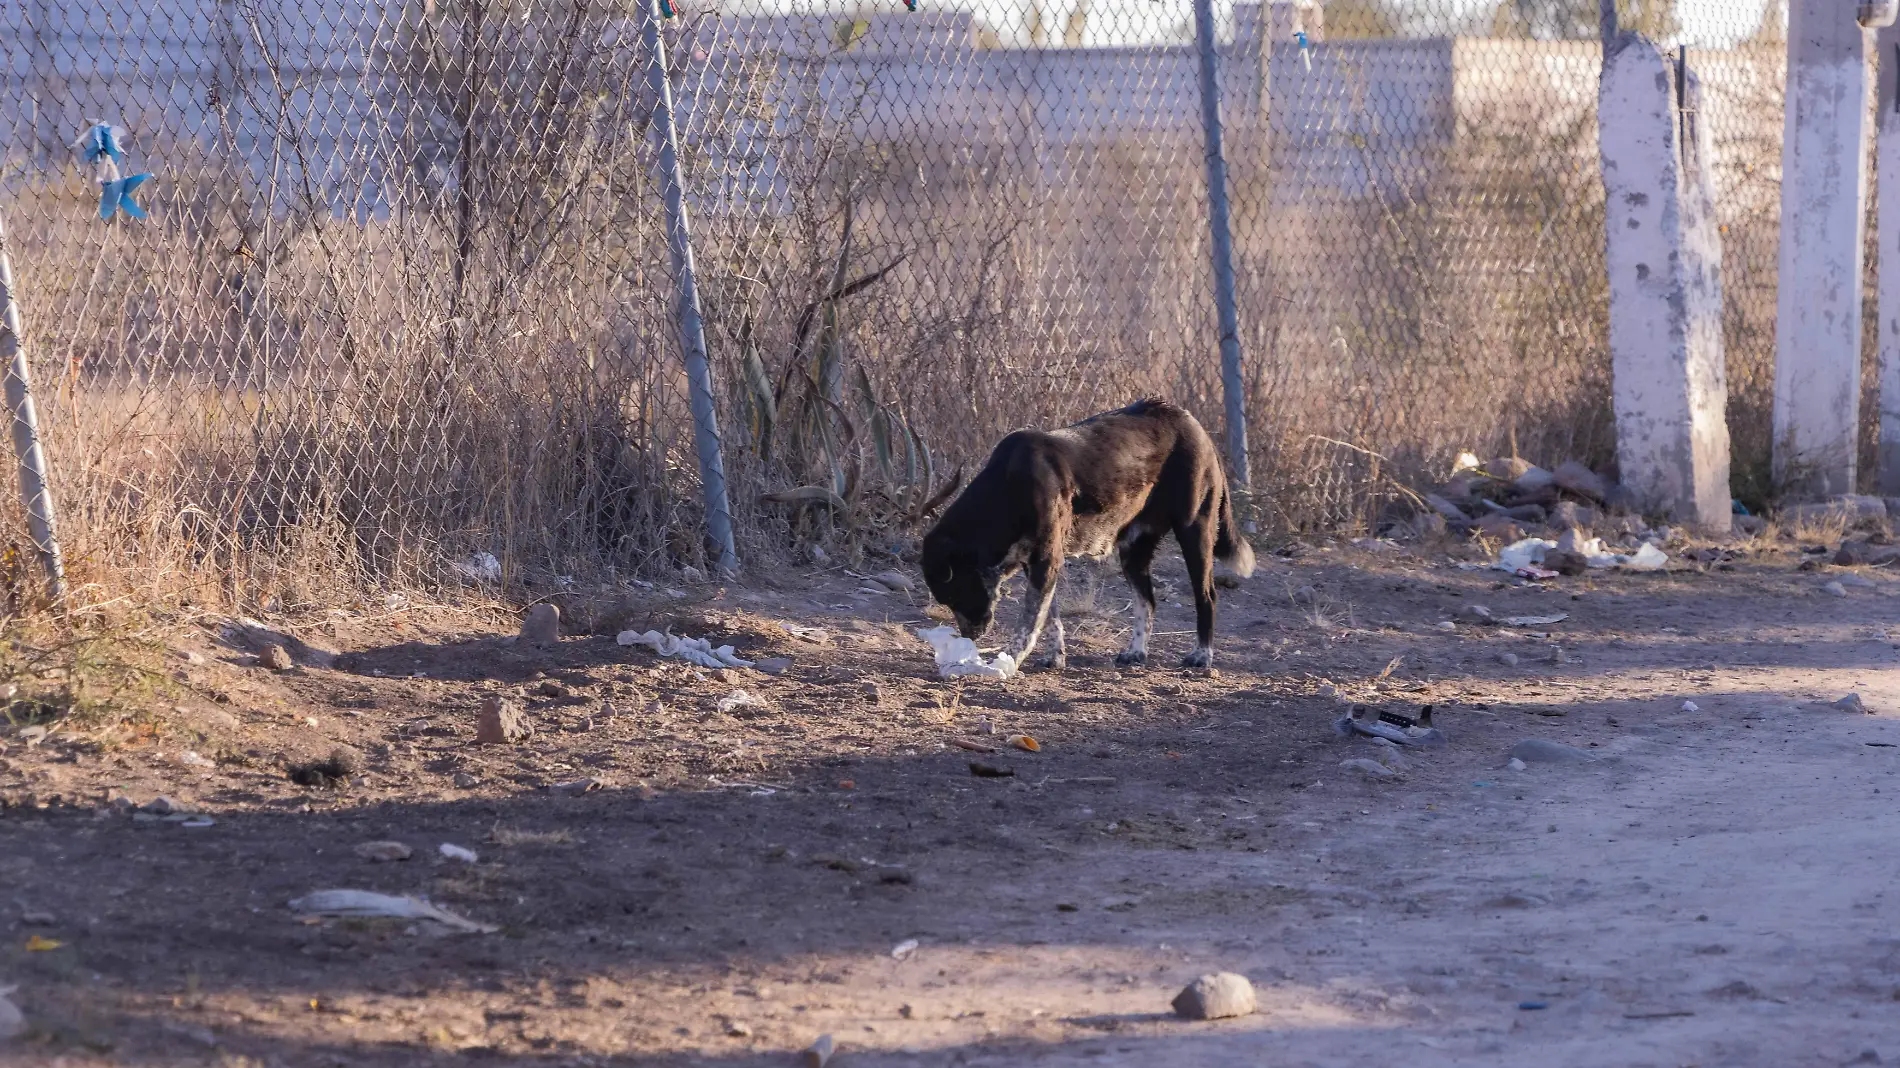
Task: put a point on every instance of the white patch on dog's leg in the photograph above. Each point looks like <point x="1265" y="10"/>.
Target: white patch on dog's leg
<point x="1202" y="656"/>
<point x="1137" y="651"/>
<point x="1036" y="605"/>
<point x="1058" y="658"/>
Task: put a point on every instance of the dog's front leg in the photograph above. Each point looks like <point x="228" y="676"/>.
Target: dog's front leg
<point x="1038" y="601"/>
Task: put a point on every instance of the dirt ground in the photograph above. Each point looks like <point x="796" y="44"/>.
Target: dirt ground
<point x="1711" y="890"/>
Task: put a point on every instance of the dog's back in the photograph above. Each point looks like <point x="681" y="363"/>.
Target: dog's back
<point x="1117" y="481"/>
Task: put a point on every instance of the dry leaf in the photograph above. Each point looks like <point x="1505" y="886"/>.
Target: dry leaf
<point x="1024" y="741"/>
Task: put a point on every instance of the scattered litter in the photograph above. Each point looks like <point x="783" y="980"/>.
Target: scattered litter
<point x="904" y="949"/>
<point x="37" y="944"/>
<point x="738" y="699"/>
<point x="1533" y="1006"/>
<point x="818" y="1054"/>
<point x="1360" y="719"/>
<point x="1851" y="703"/>
<point x="1522" y="557"/>
<point x="197" y="823"/>
<point x="1834" y="589"/>
<point x="482" y="567"/>
<point x="974" y="747"/>
<point x="383" y="852"/>
<point x="354" y="904"/>
<point x="696" y="651"/>
<point x="1534" y="621"/>
<point x="957" y="655"/>
<point x="450" y="851"/>
<point x="985" y="770"/>
<point x="816" y="635"/>
<point x="1025" y="743"/>
<point x="1517" y="765"/>
<point x="12" y="1020"/>
<point x="1215" y="997"/>
<point x="191" y="759"/>
<point x="1691" y="706"/>
<point x="773" y="665"/>
<point x="578" y="786"/>
<point x="1447" y="626"/>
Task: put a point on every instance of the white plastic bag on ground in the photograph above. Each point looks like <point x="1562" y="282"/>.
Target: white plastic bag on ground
<point x="1647" y="558"/>
<point x="1529" y="553"/>
<point x="1526" y="553"/>
<point x="692" y="650"/>
<point x="957" y="655"/>
<point x="365" y="903"/>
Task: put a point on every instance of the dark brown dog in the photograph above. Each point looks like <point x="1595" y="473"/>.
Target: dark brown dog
<point x="1120" y="480"/>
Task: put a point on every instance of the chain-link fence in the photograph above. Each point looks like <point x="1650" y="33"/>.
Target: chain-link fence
<point x="405" y="293"/>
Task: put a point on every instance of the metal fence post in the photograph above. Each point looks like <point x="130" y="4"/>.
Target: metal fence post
<point x="712" y="467"/>
<point x="34" y="490"/>
<point x="1232" y="386"/>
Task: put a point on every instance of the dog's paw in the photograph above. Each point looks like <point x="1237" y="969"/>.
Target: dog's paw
<point x="1199" y="658"/>
<point x="1130" y="658"/>
<point x="1049" y="662"/>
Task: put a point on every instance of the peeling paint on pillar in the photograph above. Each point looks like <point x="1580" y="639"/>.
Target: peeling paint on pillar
<point x="1823" y="208"/>
<point x="1887" y="237"/>
<point x="1665" y="265"/>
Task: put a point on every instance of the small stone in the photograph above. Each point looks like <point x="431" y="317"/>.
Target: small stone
<point x="738" y="1029"/>
<point x="1500" y="528"/>
<point x="12" y="1020"/>
<point x="1534" y="480"/>
<point x="275" y="657"/>
<point x="578" y="787"/>
<point x="773" y="665"/>
<point x="1544" y="751"/>
<point x="500" y="723"/>
<point x="464" y="781"/>
<point x="819" y="1053"/>
<point x="383" y="852"/>
<point x="1215" y="997"/>
<point x="163" y="806"/>
<point x="1569" y="515"/>
<point x="37" y="918"/>
<point x="1371" y="769"/>
<point x="1476" y="613"/>
<point x="1580" y="480"/>
<point x="1851" y="703"/>
<point x="542" y="626"/>
<point x="1858" y="582"/>
<point x="1565" y="562"/>
<point x="1446" y="625"/>
<point x="1446" y="509"/>
<point x="552" y="688"/>
<point x="1517" y="765"/>
<point x="1305" y="595"/>
<point x="193" y="658"/>
<point x="873" y="694"/>
<point x="1834" y="589"/>
<point x="1508" y="659"/>
<point x="1691" y="706"/>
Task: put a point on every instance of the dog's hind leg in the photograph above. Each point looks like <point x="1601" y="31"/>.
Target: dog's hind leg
<point x="1137" y="556"/>
<point x="1197" y="551"/>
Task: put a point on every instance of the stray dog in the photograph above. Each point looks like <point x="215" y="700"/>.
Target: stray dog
<point x="1119" y="480"/>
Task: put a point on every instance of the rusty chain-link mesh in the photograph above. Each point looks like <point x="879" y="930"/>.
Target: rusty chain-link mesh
<point x="405" y="294"/>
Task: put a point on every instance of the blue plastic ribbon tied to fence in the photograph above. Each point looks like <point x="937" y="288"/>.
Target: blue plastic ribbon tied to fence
<point x="101" y="148"/>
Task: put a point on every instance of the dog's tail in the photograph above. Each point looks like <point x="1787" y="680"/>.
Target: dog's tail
<point x="1230" y="544"/>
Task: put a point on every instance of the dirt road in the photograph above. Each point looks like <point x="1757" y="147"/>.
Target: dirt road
<point x="1714" y="887"/>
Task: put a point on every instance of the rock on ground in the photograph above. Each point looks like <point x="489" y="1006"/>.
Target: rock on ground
<point x="1544" y="751"/>
<point x="542" y="627"/>
<point x="1215" y="997"/>
<point x="500" y="723"/>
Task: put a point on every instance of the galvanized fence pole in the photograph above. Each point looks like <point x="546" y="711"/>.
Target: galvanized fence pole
<point x="34" y="489"/>
<point x="712" y="466"/>
<point x="1233" y="388"/>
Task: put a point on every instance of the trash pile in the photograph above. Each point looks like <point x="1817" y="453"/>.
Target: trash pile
<point x="958" y="656"/>
<point x="1562" y="521"/>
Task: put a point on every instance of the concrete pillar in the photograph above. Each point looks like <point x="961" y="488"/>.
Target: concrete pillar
<point x="1823" y="205"/>
<point x="1665" y="269"/>
<point x="1887" y="252"/>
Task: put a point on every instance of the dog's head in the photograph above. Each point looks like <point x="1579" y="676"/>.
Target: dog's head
<point x="961" y="583"/>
